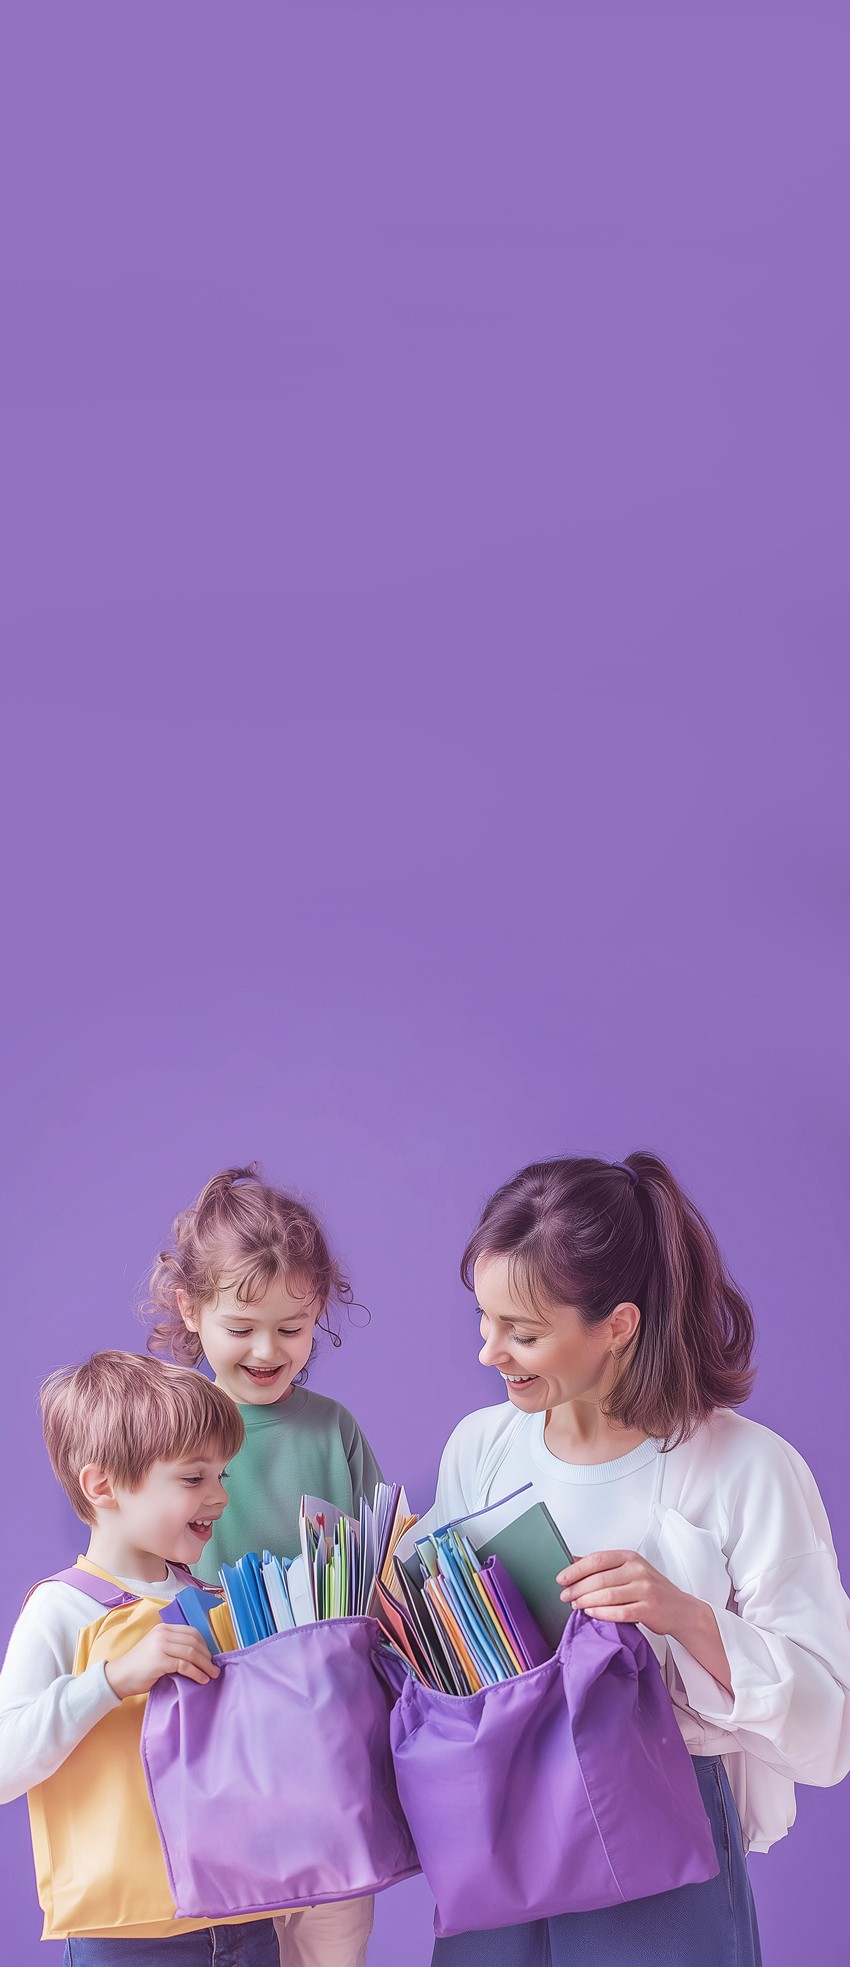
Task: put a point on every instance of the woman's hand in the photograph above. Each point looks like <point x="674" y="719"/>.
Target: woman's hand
<point x="620" y="1585"/>
<point x="617" y="1584"/>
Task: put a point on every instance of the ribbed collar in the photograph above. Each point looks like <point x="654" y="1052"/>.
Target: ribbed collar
<point x="586" y="1473"/>
<point x="277" y="1412"/>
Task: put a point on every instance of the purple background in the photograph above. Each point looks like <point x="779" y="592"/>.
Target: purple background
<point x="426" y="444"/>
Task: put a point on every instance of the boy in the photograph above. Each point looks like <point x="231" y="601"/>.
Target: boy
<point x="140" y="1448"/>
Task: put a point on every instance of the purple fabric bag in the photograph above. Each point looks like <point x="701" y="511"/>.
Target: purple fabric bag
<point x="273" y="1785"/>
<point x="565" y="1789"/>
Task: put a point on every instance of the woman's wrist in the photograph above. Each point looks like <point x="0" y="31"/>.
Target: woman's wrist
<point x="696" y="1629"/>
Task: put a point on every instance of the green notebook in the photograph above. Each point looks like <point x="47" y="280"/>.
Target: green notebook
<point x="533" y="1552"/>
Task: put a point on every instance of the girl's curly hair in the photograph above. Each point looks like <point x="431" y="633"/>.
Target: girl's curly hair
<point x="240" y="1230"/>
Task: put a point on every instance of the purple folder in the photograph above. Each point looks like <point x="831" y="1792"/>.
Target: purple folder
<point x="522" y="1629"/>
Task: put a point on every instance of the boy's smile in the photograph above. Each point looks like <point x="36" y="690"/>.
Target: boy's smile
<point x="168" y="1519"/>
<point x="201" y="1527"/>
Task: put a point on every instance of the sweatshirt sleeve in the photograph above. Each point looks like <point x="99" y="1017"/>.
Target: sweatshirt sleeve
<point x="45" y="1709"/>
<point x="363" y="1467"/>
<point x="785" y="1624"/>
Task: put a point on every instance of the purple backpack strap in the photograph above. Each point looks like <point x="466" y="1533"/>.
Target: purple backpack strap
<point x="102" y="1590"/>
<point x="188" y="1578"/>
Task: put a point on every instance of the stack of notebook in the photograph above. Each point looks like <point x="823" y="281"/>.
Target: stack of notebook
<point x="477" y="1601"/>
<point x="335" y="1576"/>
<point x="344" y="1558"/>
<point x="466" y="1605"/>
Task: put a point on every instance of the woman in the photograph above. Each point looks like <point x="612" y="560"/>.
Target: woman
<point x="624" y="1348"/>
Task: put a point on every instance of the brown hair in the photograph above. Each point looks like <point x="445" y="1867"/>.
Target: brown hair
<point x="243" y="1231"/>
<point x="125" y="1412"/>
<point x="596" y="1234"/>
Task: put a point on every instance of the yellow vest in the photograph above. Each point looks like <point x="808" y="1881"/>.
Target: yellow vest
<point x="98" y="1859"/>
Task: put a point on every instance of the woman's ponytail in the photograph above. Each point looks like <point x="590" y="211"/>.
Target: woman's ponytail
<point x="697" y="1332"/>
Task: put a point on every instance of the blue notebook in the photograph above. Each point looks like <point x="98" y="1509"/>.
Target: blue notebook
<point x="191" y="1607"/>
<point x="249" y="1607"/>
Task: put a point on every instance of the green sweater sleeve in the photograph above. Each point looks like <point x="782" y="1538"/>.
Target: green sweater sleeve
<point x="365" y="1470"/>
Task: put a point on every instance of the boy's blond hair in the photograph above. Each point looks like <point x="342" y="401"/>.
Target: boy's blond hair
<point x="124" y="1411"/>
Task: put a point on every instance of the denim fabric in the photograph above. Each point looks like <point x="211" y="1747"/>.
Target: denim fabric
<point x="711" y="1925"/>
<point x="252" y="1944"/>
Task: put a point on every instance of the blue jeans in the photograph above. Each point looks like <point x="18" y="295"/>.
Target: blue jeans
<point x="253" y="1944"/>
<point x="711" y="1925"/>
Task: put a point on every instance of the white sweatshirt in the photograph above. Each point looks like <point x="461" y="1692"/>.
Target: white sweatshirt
<point x="45" y="1708"/>
<point x="734" y="1517"/>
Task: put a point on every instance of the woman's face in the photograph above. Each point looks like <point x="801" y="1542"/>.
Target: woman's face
<point x="544" y="1356"/>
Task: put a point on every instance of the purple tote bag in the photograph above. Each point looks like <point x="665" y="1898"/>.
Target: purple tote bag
<point x="273" y="1785"/>
<point x="565" y="1789"/>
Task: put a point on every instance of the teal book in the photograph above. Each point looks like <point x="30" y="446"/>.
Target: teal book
<point x="532" y="1551"/>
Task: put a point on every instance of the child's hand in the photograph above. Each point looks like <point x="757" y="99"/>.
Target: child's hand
<point x="165" y="1649"/>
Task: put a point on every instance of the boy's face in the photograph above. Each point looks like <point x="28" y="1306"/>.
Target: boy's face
<point x="256" y="1350"/>
<point x="171" y="1514"/>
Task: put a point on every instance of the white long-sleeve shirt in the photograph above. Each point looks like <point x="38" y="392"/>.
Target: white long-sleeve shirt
<point x="45" y="1708"/>
<point x="732" y="1516"/>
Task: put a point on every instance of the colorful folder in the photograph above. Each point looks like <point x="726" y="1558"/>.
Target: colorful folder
<point x="477" y="1601"/>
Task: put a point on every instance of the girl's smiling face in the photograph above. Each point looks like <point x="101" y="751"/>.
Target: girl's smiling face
<point x="544" y="1357"/>
<point x="255" y="1350"/>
